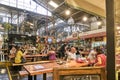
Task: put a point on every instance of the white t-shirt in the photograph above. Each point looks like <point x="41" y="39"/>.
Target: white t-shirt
<point x="72" y="55"/>
<point x="92" y="55"/>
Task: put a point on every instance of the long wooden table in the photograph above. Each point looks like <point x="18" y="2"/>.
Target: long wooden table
<point x="34" y="55"/>
<point x="29" y="56"/>
<point x="44" y="68"/>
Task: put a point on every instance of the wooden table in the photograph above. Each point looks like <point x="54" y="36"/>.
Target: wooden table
<point x="75" y="73"/>
<point x="34" y="55"/>
<point x="37" y="69"/>
<point x="29" y="56"/>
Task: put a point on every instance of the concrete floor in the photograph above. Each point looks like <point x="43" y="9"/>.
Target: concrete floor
<point x="3" y="74"/>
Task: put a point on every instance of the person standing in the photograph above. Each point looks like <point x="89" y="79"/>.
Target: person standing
<point x="62" y="51"/>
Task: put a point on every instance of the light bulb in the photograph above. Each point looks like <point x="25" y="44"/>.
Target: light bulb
<point x="118" y="28"/>
<point x="85" y="18"/>
<point x="67" y="12"/>
<point x="99" y="23"/>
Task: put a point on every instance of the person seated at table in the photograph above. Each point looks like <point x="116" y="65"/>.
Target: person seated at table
<point x="19" y="57"/>
<point x="72" y="53"/>
<point x="13" y="51"/>
<point x="62" y="51"/>
<point x="67" y="51"/>
<point x="92" y="56"/>
<point x="81" y="51"/>
<point x="52" y="54"/>
<point x="78" y="54"/>
<point x="33" y="49"/>
<point x="100" y="59"/>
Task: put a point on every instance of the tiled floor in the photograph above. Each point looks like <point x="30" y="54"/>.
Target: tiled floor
<point x="3" y="74"/>
<point x="39" y="77"/>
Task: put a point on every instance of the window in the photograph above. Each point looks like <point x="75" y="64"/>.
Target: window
<point x="27" y="5"/>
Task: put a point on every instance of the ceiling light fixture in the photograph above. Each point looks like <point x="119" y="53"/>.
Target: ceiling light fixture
<point x="53" y="4"/>
<point x="118" y="27"/>
<point x="119" y="32"/>
<point x="85" y="18"/>
<point x="67" y="12"/>
<point x="99" y="23"/>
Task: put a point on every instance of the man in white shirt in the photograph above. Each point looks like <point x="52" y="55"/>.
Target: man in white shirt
<point x="72" y="53"/>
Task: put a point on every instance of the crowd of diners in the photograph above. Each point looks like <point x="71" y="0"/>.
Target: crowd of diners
<point x="94" y="56"/>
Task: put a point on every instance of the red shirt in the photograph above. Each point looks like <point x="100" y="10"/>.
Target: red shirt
<point x="103" y="60"/>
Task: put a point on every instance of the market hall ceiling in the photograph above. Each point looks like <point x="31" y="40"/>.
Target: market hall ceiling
<point x="91" y="6"/>
<point x="76" y="14"/>
<point x="95" y="6"/>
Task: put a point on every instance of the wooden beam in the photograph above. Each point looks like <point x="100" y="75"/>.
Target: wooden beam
<point x="59" y="5"/>
<point x="87" y="6"/>
<point x="110" y="30"/>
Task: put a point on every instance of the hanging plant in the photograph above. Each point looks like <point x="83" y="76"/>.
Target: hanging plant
<point x="7" y="26"/>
